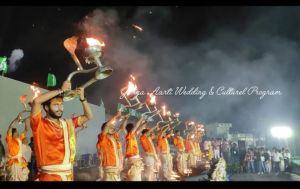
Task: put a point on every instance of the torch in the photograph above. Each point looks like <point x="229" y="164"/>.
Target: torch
<point x="151" y="102"/>
<point x="23" y="100"/>
<point x="129" y="93"/>
<point x="92" y="54"/>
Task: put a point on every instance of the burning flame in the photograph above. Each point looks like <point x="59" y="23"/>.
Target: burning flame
<point x="192" y="123"/>
<point x="36" y="91"/>
<point x="152" y="99"/>
<point x="94" y="42"/>
<point x="137" y="27"/>
<point x="164" y="110"/>
<point x="23" y="98"/>
<point x="131" y="89"/>
<point x="132" y="77"/>
<point x="169" y="113"/>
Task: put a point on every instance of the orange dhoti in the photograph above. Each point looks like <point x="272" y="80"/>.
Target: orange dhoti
<point x="17" y="172"/>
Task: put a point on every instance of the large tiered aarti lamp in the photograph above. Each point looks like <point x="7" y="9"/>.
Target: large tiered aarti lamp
<point x="92" y="54"/>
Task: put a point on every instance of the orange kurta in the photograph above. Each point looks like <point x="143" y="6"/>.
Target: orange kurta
<point x="189" y="146"/>
<point x="146" y="144"/>
<point x="179" y="143"/>
<point x="132" y="148"/>
<point x="48" y="139"/>
<point x="14" y="148"/>
<point x="98" y="147"/>
<point x="119" y="144"/>
<point x="108" y="150"/>
<point x="163" y="144"/>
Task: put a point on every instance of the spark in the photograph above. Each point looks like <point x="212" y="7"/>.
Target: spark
<point x="137" y="27"/>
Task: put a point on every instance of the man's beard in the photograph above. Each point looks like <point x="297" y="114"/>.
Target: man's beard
<point x="52" y="114"/>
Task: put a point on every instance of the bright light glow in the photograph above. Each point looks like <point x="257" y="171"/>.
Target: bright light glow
<point x="131" y="89"/>
<point x="94" y="42"/>
<point x="281" y="132"/>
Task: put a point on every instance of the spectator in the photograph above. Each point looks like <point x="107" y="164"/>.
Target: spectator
<point x="286" y="157"/>
<point x="216" y="149"/>
<point x="272" y="159"/>
<point x="281" y="163"/>
<point x="234" y="152"/>
<point x="261" y="161"/>
<point x="225" y="150"/>
<point x="256" y="159"/>
<point x="249" y="160"/>
<point x="267" y="155"/>
<point x="276" y="160"/>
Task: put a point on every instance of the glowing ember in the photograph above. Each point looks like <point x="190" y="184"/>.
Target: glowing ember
<point x="23" y="98"/>
<point x="131" y="89"/>
<point x="94" y="42"/>
<point x="36" y="91"/>
<point x="164" y="110"/>
<point x="132" y="77"/>
<point x="137" y="27"/>
<point x="152" y="99"/>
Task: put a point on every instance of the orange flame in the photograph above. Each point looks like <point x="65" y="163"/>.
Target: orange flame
<point x="131" y="89"/>
<point x="94" y="42"/>
<point x="132" y="77"/>
<point x="152" y="99"/>
<point x="23" y="98"/>
<point x="36" y="91"/>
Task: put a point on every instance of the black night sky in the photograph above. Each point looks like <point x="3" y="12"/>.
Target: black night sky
<point x="201" y="47"/>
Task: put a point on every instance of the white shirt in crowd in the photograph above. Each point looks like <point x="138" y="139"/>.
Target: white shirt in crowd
<point x="26" y="152"/>
<point x="277" y="157"/>
<point x="287" y="155"/>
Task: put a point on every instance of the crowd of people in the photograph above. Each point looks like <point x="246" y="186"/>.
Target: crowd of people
<point x="262" y="160"/>
<point x="253" y="160"/>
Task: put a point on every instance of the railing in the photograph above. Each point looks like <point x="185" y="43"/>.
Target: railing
<point x="87" y="161"/>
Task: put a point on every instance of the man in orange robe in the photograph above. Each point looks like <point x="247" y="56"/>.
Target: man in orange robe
<point x="108" y="137"/>
<point x="163" y="149"/>
<point x="181" y="158"/>
<point x="150" y="157"/>
<point x="16" y="164"/>
<point x="109" y="155"/>
<point x="54" y="138"/>
<point x="133" y="163"/>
